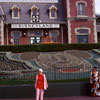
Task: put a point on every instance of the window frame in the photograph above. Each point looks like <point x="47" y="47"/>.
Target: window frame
<point x="19" y="13"/>
<point x="85" y="5"/>
<point x="14" y="32"/>
<point x="54" y="31"/>
<point x="32" y="8"/>
<point x="50" y="13"/>
<point x="82" y="33"/>
<point x="83" y="36"/>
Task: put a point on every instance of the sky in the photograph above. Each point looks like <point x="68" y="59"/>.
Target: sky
<point x="97" y="6"/>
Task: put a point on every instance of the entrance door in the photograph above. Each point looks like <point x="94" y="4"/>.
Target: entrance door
<point x="35" y="36"/>
<point x="82" y="38"/>
<point x="35" y="39"/>
<point x="16" y="38"/>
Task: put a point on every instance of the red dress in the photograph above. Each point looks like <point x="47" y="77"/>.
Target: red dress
<point x="40" y="82"/>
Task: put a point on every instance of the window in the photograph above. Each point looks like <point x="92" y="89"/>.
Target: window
<point x="82" y="38"/>
<point x="82" y="34"/>
<point x="81" y="9"/>
<point x="53" y="12"/>
<point x="16" y="38"/>
<point x="34" y="11"/>
<point x="82" y="31"/>
<point x="53" y="35"/>
<point x="35" y="36"/>
<point x="35" y="39"/>
<point x="15" y="12"/>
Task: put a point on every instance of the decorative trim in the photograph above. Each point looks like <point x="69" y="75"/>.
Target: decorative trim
<point x="2" y="10"/>
<point x="53" y="7"/>
<point x="81" y="2"/>
<point x="68" y="8"/>
<point x="15" y="31"/>
<point x="77" y="8"/>
<point x="34" y="1"/>
<point x="32" y="8"/>
<point x="82" y="16"/>
<point x="95" y="32"/>
<point x="69" y="23"/>
<point x="93" y="4"/>
<point x="50" y="9"/>
<point x="69" y="31"/>
<point x="2" y="32"/>
<point x="95" y="28"/>
<point x="82" y="28"/>
<point x="13" y="8"/>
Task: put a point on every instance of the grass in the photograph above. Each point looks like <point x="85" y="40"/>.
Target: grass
<point x="31" y="82"/>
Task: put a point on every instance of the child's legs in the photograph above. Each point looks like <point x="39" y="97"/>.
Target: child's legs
<point x="37" y="94"/>
<point x="41" y="94"/>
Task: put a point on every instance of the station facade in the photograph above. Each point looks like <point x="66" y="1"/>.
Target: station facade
<point x="47" y="21"/>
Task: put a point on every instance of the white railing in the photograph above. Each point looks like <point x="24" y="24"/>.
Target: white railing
<point x="35" y="1"/>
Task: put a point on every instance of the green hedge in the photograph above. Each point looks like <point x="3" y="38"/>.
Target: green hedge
<point x="49" y="47"/>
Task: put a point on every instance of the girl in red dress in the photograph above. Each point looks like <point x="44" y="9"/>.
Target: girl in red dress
<point x="40" y="85"/>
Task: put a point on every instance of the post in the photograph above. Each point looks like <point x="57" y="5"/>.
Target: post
<point x="62" y="35"/>
<point x="7" y="32"/>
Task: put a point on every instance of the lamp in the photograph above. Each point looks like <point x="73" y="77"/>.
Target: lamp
<point x="24" y="34"/>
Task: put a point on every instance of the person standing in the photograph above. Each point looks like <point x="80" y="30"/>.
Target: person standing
<point x="40" y="85"/>
<point x="95" y="81"/>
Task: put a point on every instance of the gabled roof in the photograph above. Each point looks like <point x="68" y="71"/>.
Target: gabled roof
<point x="15" y="6"/>
<point x="34" y="6"/>
<point x="53" y="6"/>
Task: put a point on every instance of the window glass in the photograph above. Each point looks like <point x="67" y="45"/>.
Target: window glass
<point x="53" y="13"/>
<point x="15" y="12"/>
<point x="16" y="38"/>
<point x="34" y="40"/>
<point x="81" y="9"/>
<point x="54" y="36"/>
<point x="35" y="36"/>
<point x="34" y="12"/>
<point x="82" y="38"/>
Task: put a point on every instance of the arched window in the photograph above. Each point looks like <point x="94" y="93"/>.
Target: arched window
<point x="82" y="34"/>
<point x="53" y="12"/>
<point x="16" y="37"/>
<point x="54" y="35"/>
<point x="34" y="11"/>
<point x="15" y="10"/>
<point x="81" y="8"/>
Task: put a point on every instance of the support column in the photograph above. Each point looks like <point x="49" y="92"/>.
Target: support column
<point x="2" y="32"/>
<point x="62" y="35"/>
<point x="7" y="33"/>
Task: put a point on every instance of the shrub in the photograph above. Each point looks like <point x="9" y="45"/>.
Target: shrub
<point x="48" y="47"/>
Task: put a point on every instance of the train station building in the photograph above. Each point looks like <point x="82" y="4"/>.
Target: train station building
<point x="47" y="21"/>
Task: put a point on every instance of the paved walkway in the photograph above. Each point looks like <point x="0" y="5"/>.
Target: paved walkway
<point x="62" y="98"/>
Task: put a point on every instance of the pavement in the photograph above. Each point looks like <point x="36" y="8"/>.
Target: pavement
<point x="62" y="98"/>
